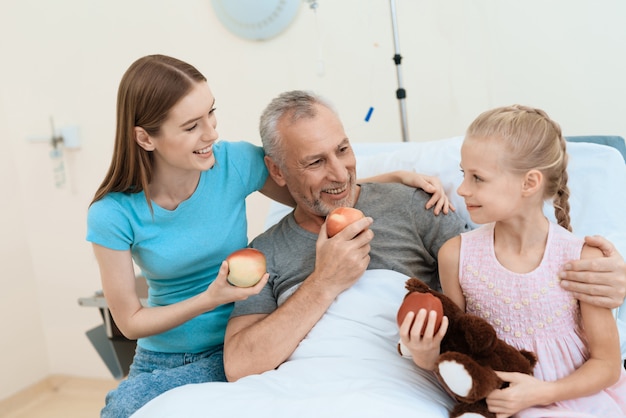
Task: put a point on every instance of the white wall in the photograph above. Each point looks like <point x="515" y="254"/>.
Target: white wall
<point x="65" y="58"/>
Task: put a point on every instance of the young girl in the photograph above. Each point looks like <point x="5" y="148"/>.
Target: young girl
<point x="513" y="159"/>
<point x="173" y="201"/>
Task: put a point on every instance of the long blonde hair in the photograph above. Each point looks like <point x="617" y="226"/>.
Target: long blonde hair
<point x="533" y="141"/>
<point x="150" y="87"/>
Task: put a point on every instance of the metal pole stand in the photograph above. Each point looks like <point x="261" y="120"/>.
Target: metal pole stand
<point x="397" y="58"/>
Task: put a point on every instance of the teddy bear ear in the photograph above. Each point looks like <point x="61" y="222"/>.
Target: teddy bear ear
<point x="416" y="285"/>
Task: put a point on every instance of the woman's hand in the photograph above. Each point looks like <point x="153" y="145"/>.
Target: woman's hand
<point x="220" y="291"/>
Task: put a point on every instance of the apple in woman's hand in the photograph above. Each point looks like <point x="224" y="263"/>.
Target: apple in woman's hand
<point x="341" y="217"/>
<point x="415" y="301"/>
<point x="246" y="267"/>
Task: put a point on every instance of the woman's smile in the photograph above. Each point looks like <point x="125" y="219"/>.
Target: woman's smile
<point x="206" y="151"/>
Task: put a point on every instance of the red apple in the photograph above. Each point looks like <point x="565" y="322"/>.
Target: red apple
<point x="246" y="267"/>
<point x="415" y="301"/>
<point x="341" y="217"/>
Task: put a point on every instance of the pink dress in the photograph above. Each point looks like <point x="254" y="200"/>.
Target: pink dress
<point x="533" y="312"/>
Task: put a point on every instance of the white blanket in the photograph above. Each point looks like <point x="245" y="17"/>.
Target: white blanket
<point x="347" y="366"/>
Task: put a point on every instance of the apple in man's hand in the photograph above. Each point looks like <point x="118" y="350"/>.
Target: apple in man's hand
<point x="341" y="217"/>
<point x="415" y="301"/>
<point x="246" y="267"/>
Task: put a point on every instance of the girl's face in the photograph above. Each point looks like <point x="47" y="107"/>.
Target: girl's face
<point x="491" y="192"/>
<point x="186" y="138"/>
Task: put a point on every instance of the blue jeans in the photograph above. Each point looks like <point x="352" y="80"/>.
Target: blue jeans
<point x="153" y="373"/>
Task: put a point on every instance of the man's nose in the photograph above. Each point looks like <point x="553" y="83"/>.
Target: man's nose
<point x="337" y="170"/>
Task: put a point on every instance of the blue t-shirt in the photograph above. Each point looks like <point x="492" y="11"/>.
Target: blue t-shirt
<point x="180" y="251"/>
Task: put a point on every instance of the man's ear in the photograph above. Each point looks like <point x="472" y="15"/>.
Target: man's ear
<point x="275" y="171"/>
<point x="143" y="139"/>
<point x="532" y="182"/>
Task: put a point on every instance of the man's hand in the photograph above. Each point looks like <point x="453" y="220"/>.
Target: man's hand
<point x="341" y="260"/>
<point x="600" y="281"/>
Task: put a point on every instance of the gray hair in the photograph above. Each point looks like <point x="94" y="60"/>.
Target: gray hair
<point x="296" y="104"/>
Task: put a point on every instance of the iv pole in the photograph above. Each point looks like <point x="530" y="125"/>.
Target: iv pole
<point x="397" y="58"/>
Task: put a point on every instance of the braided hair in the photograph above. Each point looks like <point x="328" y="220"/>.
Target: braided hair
<point x="534" y="141"/>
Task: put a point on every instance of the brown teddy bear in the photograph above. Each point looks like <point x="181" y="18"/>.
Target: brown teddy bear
<point x="470" y="352"/>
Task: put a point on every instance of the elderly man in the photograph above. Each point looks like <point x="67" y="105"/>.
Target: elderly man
<point x="308" y="151"/>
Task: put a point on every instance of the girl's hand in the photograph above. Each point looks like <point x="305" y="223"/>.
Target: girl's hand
<point x="424" y="348"/>
<point x="429" y="184"/>
<point x="523" y="392"/>
<point x="220" y="291"/>
<point x="432" y="185"/>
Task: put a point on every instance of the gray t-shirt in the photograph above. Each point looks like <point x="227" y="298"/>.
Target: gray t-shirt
<point x="407" y="238"/>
